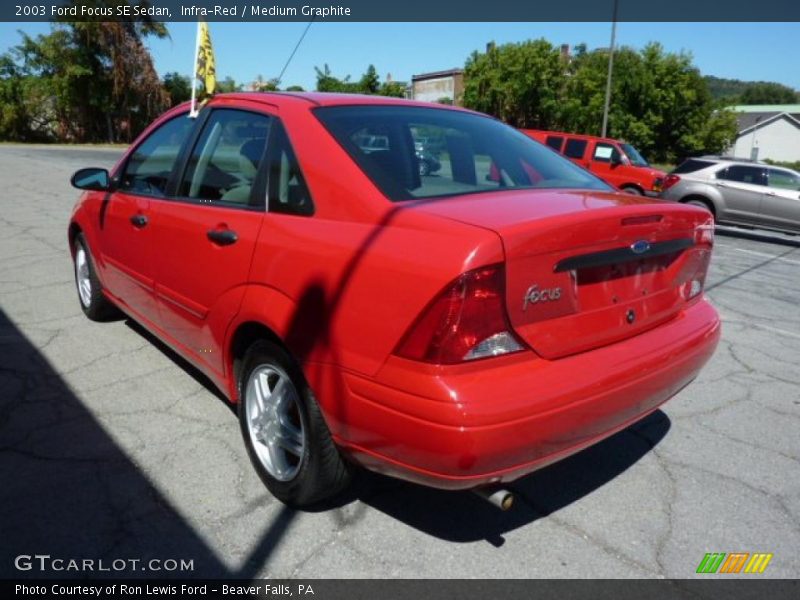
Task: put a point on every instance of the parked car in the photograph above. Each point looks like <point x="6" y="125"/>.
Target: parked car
<point x="450" y="330"/>
<point x="738" y="191"/>
<point x="615" y="162"/>
<point x="428" y="163"/>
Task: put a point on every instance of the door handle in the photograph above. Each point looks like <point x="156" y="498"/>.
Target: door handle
<point x="720" y="184"/>
<point x="139" y="221"/>
<point x="770" y="193"/>
<point x="222" y="237"/>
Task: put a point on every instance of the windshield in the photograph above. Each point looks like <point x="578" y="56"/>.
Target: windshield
<point x="637" y="160"/>
<point x="473" y="153"/>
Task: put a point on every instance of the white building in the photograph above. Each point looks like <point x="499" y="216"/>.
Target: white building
<point x="768" y="131"/>
<point x="439" y="86"/>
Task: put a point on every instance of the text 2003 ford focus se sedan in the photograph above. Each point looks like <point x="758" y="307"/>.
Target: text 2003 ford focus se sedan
<point x="457" y="329"/>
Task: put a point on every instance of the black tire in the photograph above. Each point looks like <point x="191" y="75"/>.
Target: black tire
<point x="629" y="189"/>
<point x="93" y="303"/>
<point x="320" y="473"/>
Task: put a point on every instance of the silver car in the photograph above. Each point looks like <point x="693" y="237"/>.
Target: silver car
<point x="738" y="192"/>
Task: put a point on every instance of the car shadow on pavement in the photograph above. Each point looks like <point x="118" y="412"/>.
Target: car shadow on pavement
<point x="465" y="517"/>
<point x="70" y="492"/>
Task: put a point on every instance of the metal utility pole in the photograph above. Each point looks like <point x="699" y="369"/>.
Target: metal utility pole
<point x="610" y="70"/>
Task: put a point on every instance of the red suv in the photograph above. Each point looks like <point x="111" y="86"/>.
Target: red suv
<point x="615" y="162"/>
<point x="448" y="328"/>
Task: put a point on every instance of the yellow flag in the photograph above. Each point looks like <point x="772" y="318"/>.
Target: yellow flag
<point x="205" y="66"/>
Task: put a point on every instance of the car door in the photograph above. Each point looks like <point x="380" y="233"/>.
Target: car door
<point x="742" y="189"/>
<point x="780" y="206"/>
<point x="606" y="163"/>
<point x="126" y="220"/>
<point x="207" y="231"/>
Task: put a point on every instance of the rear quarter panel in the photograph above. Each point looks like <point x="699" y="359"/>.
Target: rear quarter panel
<point x="689" y="188"/>
<point x="345" y="292"/>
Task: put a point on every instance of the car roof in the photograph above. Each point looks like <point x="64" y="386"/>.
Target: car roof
<point x="333" y="99"/>
<point x="580" y="136"/>
<point x="727" y="161"/>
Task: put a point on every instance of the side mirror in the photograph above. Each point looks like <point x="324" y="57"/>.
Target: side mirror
<point x="91" y="178"/>
<point x="616" y="159"/>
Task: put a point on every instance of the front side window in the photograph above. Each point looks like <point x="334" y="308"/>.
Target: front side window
<point x="743" y="174"/>
<point x="149" y="166"/>
<point x="606" y="153"/>
<point x="224" y="162"/>
<point x="784" y="180"/>
<point x="463" y="153"/>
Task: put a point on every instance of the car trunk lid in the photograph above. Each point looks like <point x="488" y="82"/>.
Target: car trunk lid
<point x="586" y="269"/>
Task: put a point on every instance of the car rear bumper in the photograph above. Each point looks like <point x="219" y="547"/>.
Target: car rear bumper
<point x="499" y="419"/>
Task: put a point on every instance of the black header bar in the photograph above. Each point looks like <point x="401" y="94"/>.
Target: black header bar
<point x="403" y="11"/>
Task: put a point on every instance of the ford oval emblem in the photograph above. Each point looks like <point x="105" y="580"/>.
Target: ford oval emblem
<point x="640" y="247"/>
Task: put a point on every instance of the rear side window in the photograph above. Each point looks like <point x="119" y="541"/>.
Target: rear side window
<point x="463" y="153"/>
<point x="555" y="142"/>
<point x="784" y="180"/>
<point x="575" y="148"/>
<point x="225" y="160"/>
<point x="148" y="168"/>
<point x="744" y="174"/>
<point x="691" y="165"/>
<point x="288" y="192"/>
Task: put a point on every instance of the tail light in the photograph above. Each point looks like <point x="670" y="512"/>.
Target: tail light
<point x="466" y="321"/>
<point x="670" y="181"/>
<point x="698" y="261"/>
<point x="658" y="184"/>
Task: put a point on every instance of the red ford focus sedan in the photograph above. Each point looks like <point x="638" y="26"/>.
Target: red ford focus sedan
<point x="458" y="328"/>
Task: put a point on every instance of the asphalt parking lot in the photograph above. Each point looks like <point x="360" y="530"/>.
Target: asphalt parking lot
<point x="112" y="447"/>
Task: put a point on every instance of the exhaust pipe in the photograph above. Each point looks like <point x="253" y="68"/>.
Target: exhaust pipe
<point x="497" y="497"/>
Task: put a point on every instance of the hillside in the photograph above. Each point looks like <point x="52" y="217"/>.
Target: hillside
<point x="751" y="92"/>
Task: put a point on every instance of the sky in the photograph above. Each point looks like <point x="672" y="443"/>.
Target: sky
<point x="746" y="51"/>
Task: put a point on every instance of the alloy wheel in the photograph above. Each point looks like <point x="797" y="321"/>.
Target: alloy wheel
<point x="275" y="422"/>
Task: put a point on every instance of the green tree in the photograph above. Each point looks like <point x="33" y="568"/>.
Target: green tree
<point x="295" y="88"/>
<point x="92" y="81"/>
<point x="179" y="87"/>
<point x="520" y="83"/>
<point x="769" y="93"/>
<point x="327" y="82"/>
<point x="659" y="101"/>
<point x="229" y="85"/>
<point x="392" y="88"/>
<point x="16" y="119"/>
<point x="369" y="83"/>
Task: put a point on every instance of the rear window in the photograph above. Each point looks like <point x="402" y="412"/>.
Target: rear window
<point x="575" y="148"/>
<point x="465" y="153"/>
<point x="691" y="165"/>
